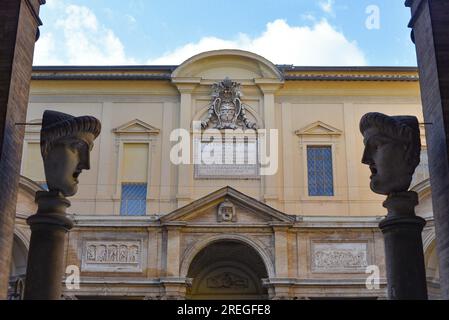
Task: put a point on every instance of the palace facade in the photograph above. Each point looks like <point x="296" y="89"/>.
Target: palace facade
<point x="147" y="227"/>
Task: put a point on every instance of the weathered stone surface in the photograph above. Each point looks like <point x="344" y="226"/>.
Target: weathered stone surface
<point x="18" y="29"/>
<point x="404" y="254"/>
<point x="392" y="151"/>
<point x="340" y="257"/>
<point x="112" y="256"/>
<point x="66" y="142"/>
<point x="430" y="23"/>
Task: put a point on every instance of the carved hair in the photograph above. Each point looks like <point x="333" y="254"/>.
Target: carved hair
<point x="57" y="125"/>
<point x="403" y="129"/>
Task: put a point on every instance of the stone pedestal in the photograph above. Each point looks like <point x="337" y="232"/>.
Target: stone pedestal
<point x="404" y="254"/>
<point x="46" y="256"/>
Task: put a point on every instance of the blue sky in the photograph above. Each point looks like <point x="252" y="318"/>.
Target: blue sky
<point x="299" y="32"/>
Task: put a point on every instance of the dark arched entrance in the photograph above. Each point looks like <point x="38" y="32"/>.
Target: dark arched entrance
<point x="227" y="270"/>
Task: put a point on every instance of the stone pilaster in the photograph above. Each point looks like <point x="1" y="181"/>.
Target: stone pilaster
<point x="271" y="182"/>
<point x="19" y="21"/>
<point x="430" y="24"/>
<point x="173" y="250"/>
<point x="185" y="171"/>
<point x="281" y="251"/>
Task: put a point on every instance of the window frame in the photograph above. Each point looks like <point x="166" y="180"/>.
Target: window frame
<point x="145" y="200"/>
<point x="146" y="135"/>
<point x="317" y="146"/>
<point x="320" y="134"/>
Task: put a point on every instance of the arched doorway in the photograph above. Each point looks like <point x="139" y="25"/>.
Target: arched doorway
<point x="18" y="270"/>
<point x="227" y="270"/>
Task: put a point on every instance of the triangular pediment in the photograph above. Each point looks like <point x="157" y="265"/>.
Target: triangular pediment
<point x="242" y="208"/>
<point x="136" y="126"/>
<point x="319" y="129"/>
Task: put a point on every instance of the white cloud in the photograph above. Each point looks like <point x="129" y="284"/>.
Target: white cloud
<point x="78" y="38"/>
<point x="44" y="51"/>
<point x="131" y="19"/>
<point x="281" y="43"/>
<point x="84" y="41"/>
<point x="327" y="6"/>
<point x="53" y="4"/>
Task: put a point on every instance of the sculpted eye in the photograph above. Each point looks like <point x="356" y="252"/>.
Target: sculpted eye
<point x="75" y="146"/>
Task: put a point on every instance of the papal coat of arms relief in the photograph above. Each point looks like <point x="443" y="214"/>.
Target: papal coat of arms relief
<point x="227" y="110"/>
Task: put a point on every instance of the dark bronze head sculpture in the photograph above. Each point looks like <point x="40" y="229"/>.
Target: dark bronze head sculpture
<point x="392" y="151"/>
<point x="66" y="142"/>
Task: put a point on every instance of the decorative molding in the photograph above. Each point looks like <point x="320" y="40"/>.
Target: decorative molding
<point x="263" y="67"/>
<point x="428" y="239"/>
<point x="135" y="131"/>
<point x="319" y="129"/>
<point x="154" y="221"/>
<point x="227" y="110"/>
<point x="227" y="280"/>
<point x="237" y="198"/>
<point x="351" y="77"/>
<point x="205" y="241"/>
<point x="67" y="76"/>
<point x="136" y="126"/>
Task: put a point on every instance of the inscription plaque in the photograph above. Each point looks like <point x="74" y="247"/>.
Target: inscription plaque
<point x="226" y="160"/>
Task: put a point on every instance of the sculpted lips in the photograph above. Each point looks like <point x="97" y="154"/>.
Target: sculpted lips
<point x="76" y="174"/>
<point x="373" y="170"/>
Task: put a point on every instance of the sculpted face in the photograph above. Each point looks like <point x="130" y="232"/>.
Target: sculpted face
<point x="386" y="158"/>
<point x="68" y="157"/>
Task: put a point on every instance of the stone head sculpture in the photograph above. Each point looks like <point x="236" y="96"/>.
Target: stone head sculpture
<point x="392" y="151"/>
<point x="66" y="142"/>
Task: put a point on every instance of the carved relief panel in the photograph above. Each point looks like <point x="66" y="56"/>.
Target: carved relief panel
<point x="342" y="257"/>
<point x="112" y="256"/>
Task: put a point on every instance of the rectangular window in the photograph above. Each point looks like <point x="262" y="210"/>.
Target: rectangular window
<point x="134" y="179"/>
<point x="135" y="162"/>
<point x="134" y="199"/>
<point x="320" y="171"/>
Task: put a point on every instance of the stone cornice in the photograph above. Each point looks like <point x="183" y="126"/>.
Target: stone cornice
<point x="351" y="77"/>
<point x="100" y="76"/>
<point x="302" y="222"/>
<point x="319" y="282"/>
<point x="158" y="73"/>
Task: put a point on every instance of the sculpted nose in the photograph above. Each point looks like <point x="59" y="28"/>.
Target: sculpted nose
<point x="85" y="161"/>
<point x="366" y="159"/>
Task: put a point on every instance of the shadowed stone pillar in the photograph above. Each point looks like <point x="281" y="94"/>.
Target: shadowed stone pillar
<point x="19" y="20"/>
<point x="430" y="23"/>
<point x="46" y="260"/>
<point x="402" y="229"/>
